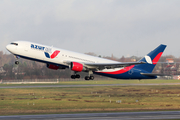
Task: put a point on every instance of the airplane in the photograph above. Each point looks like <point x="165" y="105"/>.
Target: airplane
<point x="56" y="59"/>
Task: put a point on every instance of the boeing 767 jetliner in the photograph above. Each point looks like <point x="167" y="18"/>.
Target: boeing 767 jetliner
<point x="56" y="58"/>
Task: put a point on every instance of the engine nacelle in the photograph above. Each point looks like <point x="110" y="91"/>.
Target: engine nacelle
<point x="51" y="66"/>
<point x="75" y="66"/>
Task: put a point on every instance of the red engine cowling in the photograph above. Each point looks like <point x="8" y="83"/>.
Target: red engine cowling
<point x="75" y="66"/>
<point x="54" y="67"/>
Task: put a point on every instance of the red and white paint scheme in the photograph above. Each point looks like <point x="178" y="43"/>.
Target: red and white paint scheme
<point x="56" y="58"/>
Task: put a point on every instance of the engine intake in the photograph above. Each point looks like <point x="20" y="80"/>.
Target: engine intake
<point x="75" y="66"/>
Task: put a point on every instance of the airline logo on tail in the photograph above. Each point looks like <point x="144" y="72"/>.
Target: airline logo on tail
<point x="52" y="56"/>
<point x="155" y="60"/>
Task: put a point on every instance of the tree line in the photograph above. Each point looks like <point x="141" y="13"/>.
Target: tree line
<point x="35" y="70"/>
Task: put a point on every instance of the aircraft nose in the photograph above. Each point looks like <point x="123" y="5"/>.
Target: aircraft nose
<point x="9" y="48"/>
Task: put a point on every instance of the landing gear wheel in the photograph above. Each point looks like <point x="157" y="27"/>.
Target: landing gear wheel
<point x="91" y="77"/>
<point x="17" y="62"/>
<point x="87" y="78"/>
<point x="77" y="76"/>
<point x="73" y="77"/>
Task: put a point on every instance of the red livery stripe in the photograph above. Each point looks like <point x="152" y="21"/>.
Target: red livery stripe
<point x="156" y="59"/>
<point x="55" y="54"/>
<point x="120" y="71"/>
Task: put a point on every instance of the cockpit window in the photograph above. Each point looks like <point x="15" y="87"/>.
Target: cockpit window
<point x="15" y="44"/>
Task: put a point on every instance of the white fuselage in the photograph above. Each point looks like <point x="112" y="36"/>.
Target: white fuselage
<point x="36" y="51"/>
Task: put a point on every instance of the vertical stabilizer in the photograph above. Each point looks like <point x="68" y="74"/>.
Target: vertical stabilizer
<point x="151" y="59"/>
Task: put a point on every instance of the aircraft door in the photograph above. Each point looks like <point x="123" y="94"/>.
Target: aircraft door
<point x="26" y="47"/>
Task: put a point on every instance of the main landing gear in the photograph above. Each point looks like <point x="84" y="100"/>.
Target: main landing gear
<point x="89" y="78"/>
<point x="75" y="76"/>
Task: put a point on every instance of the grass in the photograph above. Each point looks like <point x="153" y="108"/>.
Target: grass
<point x="113" y="81"/>
<point x="89" y="99"/>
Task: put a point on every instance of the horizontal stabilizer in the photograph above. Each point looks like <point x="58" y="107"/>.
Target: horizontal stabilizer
<point x="152" y="74"/>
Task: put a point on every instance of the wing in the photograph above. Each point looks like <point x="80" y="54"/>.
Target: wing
<point x="101" y="66"/>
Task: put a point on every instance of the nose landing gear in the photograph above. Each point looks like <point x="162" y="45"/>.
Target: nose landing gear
<point x="17" y="62"/>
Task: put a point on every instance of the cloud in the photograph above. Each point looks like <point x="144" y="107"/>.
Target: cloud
<point x="100" y="26"/>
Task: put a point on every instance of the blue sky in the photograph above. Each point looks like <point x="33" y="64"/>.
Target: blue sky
<point x="105" y="27"/>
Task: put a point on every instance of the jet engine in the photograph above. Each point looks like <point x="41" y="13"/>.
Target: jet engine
<point x="78" y="67"/>
<point x="51" y="66"/>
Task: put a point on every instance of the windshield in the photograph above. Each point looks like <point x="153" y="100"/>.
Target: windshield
<point x="15" y="44"/>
